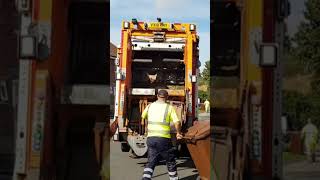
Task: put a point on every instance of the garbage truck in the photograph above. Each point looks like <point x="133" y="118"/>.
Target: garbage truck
<point x="154" y="56"/>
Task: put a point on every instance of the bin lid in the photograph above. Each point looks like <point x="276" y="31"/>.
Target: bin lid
<point x="200" y="130"/>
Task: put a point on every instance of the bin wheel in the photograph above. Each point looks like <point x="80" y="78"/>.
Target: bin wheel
<point x="183" y="151"/>
<point x="177" y="150"/>
<point x="125" y="147"/>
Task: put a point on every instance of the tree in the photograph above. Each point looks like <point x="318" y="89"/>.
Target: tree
<point x="203" y="95"/>
<point x="296" y="106"/>
<point x="299" y="107"/>
<point x="204" y="81"/>
<point x="287" y="43"/>
<point x="307" y="41"/>
<point x="206" y="72"/>
<point x="204" y="77"/>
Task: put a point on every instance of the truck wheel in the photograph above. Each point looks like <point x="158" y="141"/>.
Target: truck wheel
<point x="125" y="147"/>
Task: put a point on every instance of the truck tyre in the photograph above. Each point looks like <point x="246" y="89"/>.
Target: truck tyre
<point x="125" y="147"/>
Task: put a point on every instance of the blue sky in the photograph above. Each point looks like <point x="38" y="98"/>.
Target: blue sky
<point x="296" y="16"/>
<point x="179" y="11"/>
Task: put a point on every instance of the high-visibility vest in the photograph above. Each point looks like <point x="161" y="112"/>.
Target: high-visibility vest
<point x="159" y="116"/>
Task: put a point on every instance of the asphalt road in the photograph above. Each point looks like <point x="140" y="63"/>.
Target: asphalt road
<point x="125" y="168"/>
<point x="302" y="170"/>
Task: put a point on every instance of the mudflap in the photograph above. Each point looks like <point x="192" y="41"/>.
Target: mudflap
<point x="138" y="144"/>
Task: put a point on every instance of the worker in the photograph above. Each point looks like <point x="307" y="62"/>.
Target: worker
<point x="207" y="106"/>
<point x="158" y="116"/>
<point x="310" y="135"/>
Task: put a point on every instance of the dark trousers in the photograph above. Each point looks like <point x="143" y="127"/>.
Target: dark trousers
<point x="160" y="148"/>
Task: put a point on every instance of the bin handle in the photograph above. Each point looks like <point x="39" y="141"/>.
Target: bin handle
<point x="188" y="139"/>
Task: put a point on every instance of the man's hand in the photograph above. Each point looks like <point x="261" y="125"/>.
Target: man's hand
<point x="178" y="128"/>
<point x="179" y="136"/>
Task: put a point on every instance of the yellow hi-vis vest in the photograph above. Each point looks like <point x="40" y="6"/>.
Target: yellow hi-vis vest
<point x="159" y="115"/>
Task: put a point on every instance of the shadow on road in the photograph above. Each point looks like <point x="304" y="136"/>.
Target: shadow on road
<point x="186" y="163"/>
<point x="182" y="162"/>
<point x="192" y="177"/>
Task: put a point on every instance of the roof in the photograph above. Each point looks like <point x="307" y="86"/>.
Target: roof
<point x="113" y="50"/>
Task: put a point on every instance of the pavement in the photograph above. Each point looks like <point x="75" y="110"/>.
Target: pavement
<point x="203" y="116"/>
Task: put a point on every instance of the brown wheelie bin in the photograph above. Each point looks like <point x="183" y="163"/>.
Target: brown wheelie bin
<point x="198" y="143"/>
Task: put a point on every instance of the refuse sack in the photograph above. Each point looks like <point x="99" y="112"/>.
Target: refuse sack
<point x="197" y="138"/>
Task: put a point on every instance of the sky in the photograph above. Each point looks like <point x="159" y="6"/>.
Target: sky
<point x="174" y="11"/>
<point x="181" y="11"/>
<point x="296" y="16"/>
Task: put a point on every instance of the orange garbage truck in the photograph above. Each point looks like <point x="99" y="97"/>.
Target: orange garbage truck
<point x="153" y="56"/>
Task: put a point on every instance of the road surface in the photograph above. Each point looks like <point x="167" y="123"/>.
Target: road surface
<point x="125" y="168"/>
<point x="302" y="171"/>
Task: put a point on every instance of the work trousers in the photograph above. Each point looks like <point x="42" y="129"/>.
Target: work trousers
<point x="158" y="148"/>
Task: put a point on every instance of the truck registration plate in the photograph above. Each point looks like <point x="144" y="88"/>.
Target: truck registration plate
<point x="159" y="25"/>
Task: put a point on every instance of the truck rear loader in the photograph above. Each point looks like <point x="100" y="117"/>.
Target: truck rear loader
<point x="154" y="56"/>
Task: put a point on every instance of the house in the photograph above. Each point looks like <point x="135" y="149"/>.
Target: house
<point x="113" y="55"/>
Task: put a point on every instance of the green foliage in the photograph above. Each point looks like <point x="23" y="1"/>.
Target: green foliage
<point x="287" y="43"/>
<point x="206" y="71"/>
<point x="307" y="40"/>
<point x="302" y="55"/>
<point x="201" y="80"/>
<point x="205" y="75"/>
<point x="296" y="107"/>
<point x="203" y="95"/>
<point x="299" y="107"/>
<point x="292" y="67"/>
<point x="204" y="79"/>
